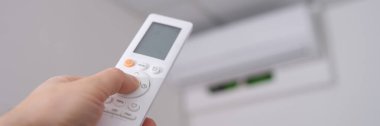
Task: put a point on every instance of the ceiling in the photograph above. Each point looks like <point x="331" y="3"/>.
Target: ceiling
<point x="205" y="14"/>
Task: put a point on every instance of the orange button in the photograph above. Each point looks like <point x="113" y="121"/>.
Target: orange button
<point x="129" y="63"/>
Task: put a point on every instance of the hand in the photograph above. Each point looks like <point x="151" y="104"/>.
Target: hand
<point x="71" y="100"/>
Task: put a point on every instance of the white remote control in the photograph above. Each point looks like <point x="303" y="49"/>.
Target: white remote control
<point x="149" y="57"/>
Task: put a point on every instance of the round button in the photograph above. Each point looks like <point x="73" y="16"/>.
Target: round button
<point x="143" y="88"/>
<point x="156" y="69"/>
<point x="129" y="63"/>
<point x="134" y="107"/>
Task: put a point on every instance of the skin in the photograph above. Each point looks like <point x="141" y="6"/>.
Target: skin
<point x="71" y="100"/>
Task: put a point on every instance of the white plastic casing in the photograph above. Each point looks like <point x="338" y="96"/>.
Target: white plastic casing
<point x="156" y="79"/>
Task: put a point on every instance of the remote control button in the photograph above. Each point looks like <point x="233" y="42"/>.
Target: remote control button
<point x="112" y="110"/>
<point x="144" y="85"/>
<point x="156" y="69"/>
<point x="128" y="115"/>
<point x="129" y="63"/>
<point x="142" y="66"/>
<point x="109" y="100"/>
<point x="119" y="102"/>
<point x="115" y="110"/>
<point x="134" y="107"/>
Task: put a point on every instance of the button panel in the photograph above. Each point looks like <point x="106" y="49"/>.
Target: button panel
<point x="118" y="107"/>
<point x="142" y="66"/>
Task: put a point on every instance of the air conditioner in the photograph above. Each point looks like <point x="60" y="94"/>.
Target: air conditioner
<point x="265" y="46"/>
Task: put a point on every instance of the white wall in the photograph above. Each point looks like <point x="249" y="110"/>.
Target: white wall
<point x="44" y="38"/>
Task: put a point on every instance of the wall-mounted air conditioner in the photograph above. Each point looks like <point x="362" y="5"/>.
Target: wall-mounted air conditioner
<point x="274" y="48"/>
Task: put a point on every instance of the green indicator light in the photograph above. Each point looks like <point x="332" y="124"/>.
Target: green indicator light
<point x="230" y="85"/>
<point x="223" y="87"/>
<point x="253" y="80"/>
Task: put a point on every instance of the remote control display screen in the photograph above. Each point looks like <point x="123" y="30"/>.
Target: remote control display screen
<point x="157" y="41"/>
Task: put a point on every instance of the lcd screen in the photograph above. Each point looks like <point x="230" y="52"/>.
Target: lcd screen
<point x="158" y="41"/>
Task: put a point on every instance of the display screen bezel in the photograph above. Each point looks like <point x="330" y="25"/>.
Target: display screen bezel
<point x="185" y="27"/>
